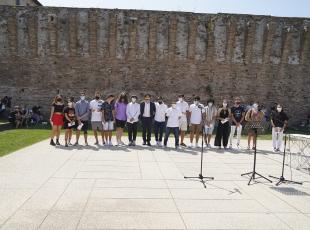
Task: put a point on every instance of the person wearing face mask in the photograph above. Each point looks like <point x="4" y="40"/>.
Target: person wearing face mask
<point x="147" y="112"/>
<point x="108" y="119"/>
<point x="253" y="114"/>
<point x="196" y="111"/>
<point x="210" y="118"/>
<point x="183" y="106"/>
<point x="95" y="107"/>
<point x="222" y="132"/>
<point x="159" y="120"/>
<point x="82" y="112"/>
<point x="133" y="113"/>
<point x="56" y="119"/>
<point x="174" y="115"/>
<point x="120" y="117"/>
<point x="69" y="122"/>
<point x="279" y="121"/>
<point x="237" y="117"/>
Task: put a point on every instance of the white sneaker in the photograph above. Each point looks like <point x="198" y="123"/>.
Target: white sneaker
<point x="134" y="143"/>
<point x="197" y="146"/>
<point x="160" y="144"/>
<point x="110" y="143"/>
<point x="191" y="145"/>
<point x="230" y="146"/>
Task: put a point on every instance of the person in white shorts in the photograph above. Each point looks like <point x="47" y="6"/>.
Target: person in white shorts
<point x="210" y="118"/>
<point x="95" y="107"/>
<point x="182" y="105"/>
<point x="108" y="119"/>
<point x="196" y="111"/>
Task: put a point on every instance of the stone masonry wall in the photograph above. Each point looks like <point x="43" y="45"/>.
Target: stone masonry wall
<point x="45" y="51"/>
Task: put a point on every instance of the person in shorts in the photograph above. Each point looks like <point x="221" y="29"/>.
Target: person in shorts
<point x="56" y="119"/>
<point x="95" y="107"/>
<point x="69" y="122"/>
<point x="82" y="115"/>
<point x="210" y="118"/>
<point x="108" y="119"/>
<point x="120" y="117"/>
<point x="196" y="111"/>
<point x="182" y="105"/>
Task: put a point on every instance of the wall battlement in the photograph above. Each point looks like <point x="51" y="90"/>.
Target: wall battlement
<point x="46" y="50"/>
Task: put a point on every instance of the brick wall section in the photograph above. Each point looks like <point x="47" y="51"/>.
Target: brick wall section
<point x="45" y="50"/>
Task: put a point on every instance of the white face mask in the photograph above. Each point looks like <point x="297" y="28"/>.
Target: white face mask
<point x="210" y="104"/>
<point x="279" y="109"/>
<point x="224" y="105"/>
<point x="174" y="106"/>
<point x="196" y="102"/>
<point x="70" y="104"/>
<point x="255" y="106"/>
<point x="180" y="99"/>
<point x="133" y="100"/>
<point x="82" y="98"/>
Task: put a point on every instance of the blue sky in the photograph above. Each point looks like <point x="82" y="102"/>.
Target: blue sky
<point x="287" y="8"/>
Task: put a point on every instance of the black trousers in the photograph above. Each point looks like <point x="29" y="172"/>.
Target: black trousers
<point x="132" y="131"/>
<point x="222" y="134"/>
<point x="146" y="128"/>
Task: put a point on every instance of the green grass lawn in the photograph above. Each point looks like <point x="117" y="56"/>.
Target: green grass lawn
<point x="15" y="139"/>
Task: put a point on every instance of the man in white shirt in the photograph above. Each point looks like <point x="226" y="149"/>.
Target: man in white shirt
<point x="196" y="109"/>
<point x="133" y="113"/>
<point x="182" y="105"/>
<point x="95" y="107"/>
<point x="174" y="115"/>
<point x="160" y="118"/>
<point x="210" y="118"/>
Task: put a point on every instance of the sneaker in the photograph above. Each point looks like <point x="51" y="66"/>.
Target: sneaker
<point x="275" y="150"/>
<point x="96" y="143"/>
<point x="197" y="146"/>
<point x="57" y="142"/>
<point x="157" y="143"/>
<point x="238" y="146"/>
<point x="160" y="144"/>
<point x="69" y="143"/>
<point x="76" y="144"/>
<point x="144" y="143"/>
<point x="191" y="145"/>
<point x="134" y="143"/>
<point x="230" y="146"/>
<point x="184" y="145"/>
<point x="130" y="143"/>
<point x="110" y="143"/>
<point x="176" y="147"/>
<point x="253" y="148"/>
<point x="66" y="145"/>
<point x="248" y="148"/>
<point x="149" y="144"/>
<point x="86" y="143"/>
<point x="52" y="142"/>
<point x="278" y="150"/>
<point x="209" y="146"/>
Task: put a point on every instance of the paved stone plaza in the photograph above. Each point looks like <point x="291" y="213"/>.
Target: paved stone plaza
<point x="43" y="187"/>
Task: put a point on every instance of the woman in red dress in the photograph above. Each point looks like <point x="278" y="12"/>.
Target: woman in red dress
<point x="56" y="119"/>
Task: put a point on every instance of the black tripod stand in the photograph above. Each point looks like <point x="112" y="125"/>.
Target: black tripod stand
<point x="200" y="176"/>
<point x="282" y="179"/>
<point x="255" y="126"/>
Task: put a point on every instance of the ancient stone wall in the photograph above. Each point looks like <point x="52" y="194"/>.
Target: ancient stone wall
<point x="45" y="51"/>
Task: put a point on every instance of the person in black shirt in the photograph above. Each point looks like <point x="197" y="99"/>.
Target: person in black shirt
<point x="222" y="132"/>
<point x="69" y="122"/>
<point x="279" y="121"/>
<point x="237" y="117"/>
<point x="108" y="119"/>
<point x="56" y="119"/>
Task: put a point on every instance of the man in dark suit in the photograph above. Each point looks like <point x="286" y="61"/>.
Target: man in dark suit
<point x="147" y="114"/>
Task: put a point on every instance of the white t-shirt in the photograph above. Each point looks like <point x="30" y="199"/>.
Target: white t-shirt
<point x="160" y="114"/>
<point x="182" y="106"/>
<point x="174" y="116"/>
<point x="195" y="111"/>
<point x="95" y="108"/>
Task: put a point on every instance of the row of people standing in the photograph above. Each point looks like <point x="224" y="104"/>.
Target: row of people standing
<point x="105" y="114"/>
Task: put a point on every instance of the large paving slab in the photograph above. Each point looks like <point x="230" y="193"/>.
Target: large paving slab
<point x="96" y="187"/>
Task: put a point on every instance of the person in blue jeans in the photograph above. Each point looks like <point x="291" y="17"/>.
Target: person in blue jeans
<point x="174" y="115"/>
<point x="160" y="120"/>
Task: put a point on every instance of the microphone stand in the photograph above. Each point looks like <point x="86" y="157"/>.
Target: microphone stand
<point x="282" y="179"/>
<point x="200" y="176"/>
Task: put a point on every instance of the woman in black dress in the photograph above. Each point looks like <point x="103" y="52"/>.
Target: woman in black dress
<point x="223" y="127"/>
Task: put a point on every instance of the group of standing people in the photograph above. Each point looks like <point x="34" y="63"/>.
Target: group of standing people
<point x="107" y="113"/>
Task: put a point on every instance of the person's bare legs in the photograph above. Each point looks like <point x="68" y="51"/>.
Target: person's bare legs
<point x="96" y="136"/>
<point x="85" y="138"/>
<point x="182" y="133"/>
<point x="67" y="134"/>
<point x="249" y="140"/>
<point x="70" y="136"/>
<point x="197" y="131"/>
<point x="102" y="136"/>
<point x="54" y="131"/>
<point x="209" y="138"/>
<point x="118" y="130"/>
<point x="78" y="133"/>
